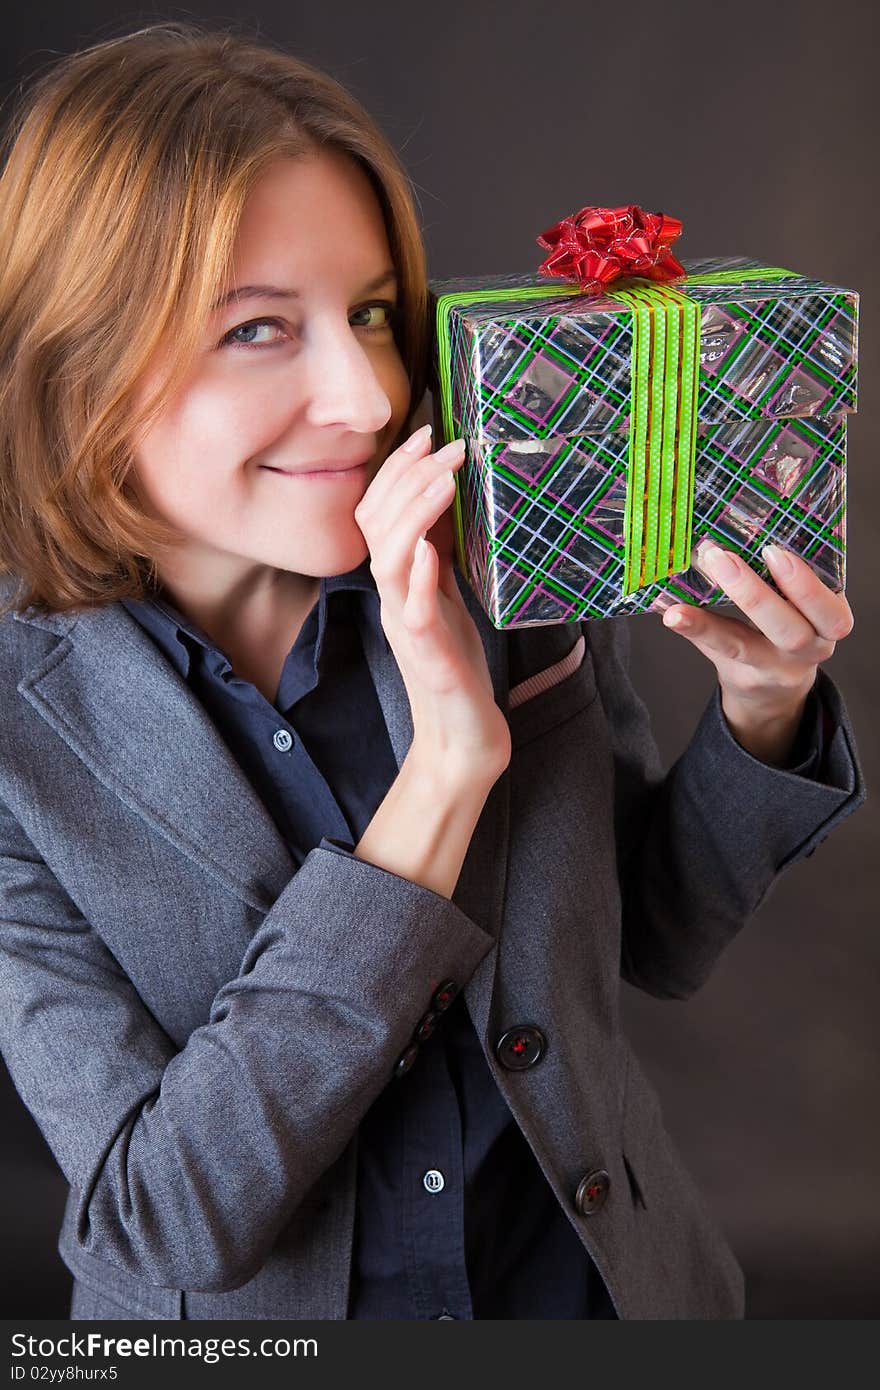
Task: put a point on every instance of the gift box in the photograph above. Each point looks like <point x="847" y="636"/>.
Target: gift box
<point x="610" y="435"/>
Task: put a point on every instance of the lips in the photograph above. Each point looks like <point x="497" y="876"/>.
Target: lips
<point x="320" y="466"/>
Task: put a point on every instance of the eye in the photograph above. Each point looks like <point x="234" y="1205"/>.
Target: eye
<point x="233" y="340"/>
<point x="244" y="335"/>
<point x="385" y="307"/>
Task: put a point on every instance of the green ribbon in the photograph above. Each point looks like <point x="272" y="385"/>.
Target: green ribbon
<point x="658" y="515"/>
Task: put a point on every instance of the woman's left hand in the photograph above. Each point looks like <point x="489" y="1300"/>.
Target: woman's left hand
<point x="765" y="674"/>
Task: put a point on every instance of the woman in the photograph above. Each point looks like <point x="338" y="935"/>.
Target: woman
<point x="317" y="889"/>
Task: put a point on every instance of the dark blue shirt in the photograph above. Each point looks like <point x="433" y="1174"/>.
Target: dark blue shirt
<point x="454" y="1216"/>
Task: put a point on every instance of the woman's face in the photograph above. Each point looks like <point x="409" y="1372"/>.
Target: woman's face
<point x="300" y="370"/>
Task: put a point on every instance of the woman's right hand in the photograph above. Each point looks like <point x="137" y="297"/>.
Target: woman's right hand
<point x="435" y="641"/>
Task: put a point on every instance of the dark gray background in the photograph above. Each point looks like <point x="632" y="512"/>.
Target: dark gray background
<point x="757" y="126"/>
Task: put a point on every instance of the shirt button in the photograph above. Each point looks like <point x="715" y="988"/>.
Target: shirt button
<point x="434" y="1181"/>
<point x="282" y="740"/>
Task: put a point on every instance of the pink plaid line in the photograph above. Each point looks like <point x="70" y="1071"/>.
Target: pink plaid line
<point x="551" y="676"/>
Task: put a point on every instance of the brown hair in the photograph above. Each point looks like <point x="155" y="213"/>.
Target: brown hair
<point x="126" y="174"/>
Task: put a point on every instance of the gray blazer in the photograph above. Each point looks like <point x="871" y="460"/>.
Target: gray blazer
<point x="198" y="1028"/>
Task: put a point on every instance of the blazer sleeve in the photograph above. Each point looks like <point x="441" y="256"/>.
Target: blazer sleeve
<point x="700" y="846"/>
<point x="188" y="1162"/>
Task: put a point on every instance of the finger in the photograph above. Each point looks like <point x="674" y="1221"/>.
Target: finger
<point x="442" y="536"/>
<point x="721" y="639"/>
<point x="419" y="610"/>
<point x="398" y="466"/>
<point x="442" y="533"/>
<point x="829" y="613"/>
<point x="434" y="652"/>
<point x="415" y="447"/>
<point x="411" y="483"/>
<point x="392" y="551"/>
<point x="786" y="626"/>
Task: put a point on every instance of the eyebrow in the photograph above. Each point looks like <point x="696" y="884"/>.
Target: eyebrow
<point x="275" y="292"/>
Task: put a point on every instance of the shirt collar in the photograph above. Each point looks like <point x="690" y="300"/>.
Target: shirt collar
<point x="171" y="627"/>
<point x="361" y="577"/>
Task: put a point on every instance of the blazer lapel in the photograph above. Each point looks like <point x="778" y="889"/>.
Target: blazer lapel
<point x="130" y="719"/>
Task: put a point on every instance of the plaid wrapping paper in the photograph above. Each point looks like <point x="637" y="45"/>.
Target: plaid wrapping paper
<point x="540" y="391"/>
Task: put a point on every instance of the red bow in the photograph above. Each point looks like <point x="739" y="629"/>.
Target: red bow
<point x="598" y="245"/>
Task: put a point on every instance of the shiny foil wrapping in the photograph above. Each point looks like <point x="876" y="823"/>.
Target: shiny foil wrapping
<point x="540" y="390"/>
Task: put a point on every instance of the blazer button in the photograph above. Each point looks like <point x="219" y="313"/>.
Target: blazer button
<point x="444" y="996"/>
<point x="521" y="1047"/>
<point x="426" y="1027"/>
<point x="592" y="1192"/>
<point x="405" y="1060"/>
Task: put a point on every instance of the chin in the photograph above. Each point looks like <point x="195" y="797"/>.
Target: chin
<point x="322" y="560"/>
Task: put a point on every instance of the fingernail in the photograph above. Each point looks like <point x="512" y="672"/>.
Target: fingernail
<point x="421" y="550"/>
<point x="417" y="439"/>
<point x="778" y="559"/>
<point x="676" y="620"/>
<point x="450" y="450"/>
<point x="720" y="564"/>
<point x="439" y="485"/>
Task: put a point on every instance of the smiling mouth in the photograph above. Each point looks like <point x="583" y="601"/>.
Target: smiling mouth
<point x="356" y="470"/>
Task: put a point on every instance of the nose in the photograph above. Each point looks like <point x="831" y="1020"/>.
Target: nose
<point x="343" y="388"/>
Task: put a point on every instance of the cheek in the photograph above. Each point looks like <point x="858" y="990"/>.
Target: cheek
<point x="394" y="381"/>
<point x="206" y="434"/>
